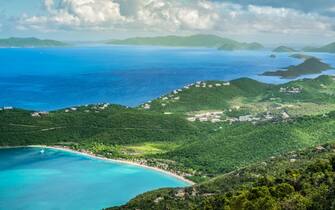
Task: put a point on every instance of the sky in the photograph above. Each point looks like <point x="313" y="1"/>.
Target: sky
<point x="268" y="21"/>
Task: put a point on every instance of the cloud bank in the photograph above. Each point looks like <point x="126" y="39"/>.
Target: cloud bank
<point x="172" y="16"/>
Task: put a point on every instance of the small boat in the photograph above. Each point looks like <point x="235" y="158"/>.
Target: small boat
<point x="42" y="151"/>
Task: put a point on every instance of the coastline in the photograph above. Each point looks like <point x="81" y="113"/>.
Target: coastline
<point x="128" y="162"/>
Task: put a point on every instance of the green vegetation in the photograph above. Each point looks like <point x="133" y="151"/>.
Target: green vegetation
<point x="222" y="135"/>
<point x="199" y="40"/>
<point x="30" y="42"/>
<point x="230" y="46"/>
<point x="297" y="180"/>
<point x="330" y="48"/>
<point x="301" y="56"/>
<point x="283" y="49"/>
<point x="309" y="66"/>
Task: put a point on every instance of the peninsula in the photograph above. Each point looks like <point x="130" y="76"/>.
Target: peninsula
<point x="283" y="49"/>
<point x="309" y="66"/>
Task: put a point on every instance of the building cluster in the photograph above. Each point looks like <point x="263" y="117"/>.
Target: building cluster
<point x="7" y="108"/>
<point x="96" y="108"/>
<point x="291" y="90"/>
<point x="217" y="116"/>
<point x="213" y="117"/>
<point x="39" y="114"/>
<point x="205" y="85"/>
<point x="260" y="118"/>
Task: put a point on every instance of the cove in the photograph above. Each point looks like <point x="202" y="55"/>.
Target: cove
<point x="59" y="179"/>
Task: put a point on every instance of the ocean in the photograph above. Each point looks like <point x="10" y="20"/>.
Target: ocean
<point x="47" y="79"/>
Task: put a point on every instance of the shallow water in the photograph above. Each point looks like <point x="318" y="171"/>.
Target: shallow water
<point x="48" y="79"/>
<point x="62" y="180"/>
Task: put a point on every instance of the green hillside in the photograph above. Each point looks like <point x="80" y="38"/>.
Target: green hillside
<point x="191" y="131"/>
<point x="110" y="125"/>
<point x="283" y="49"/>
<point x="296" y="180"/>
<point x="330" y="48"/>
<point x="202" y="131"/>
<point x="301" y="56"/>
<point x="30" y="42"/>
<point x="246" y="96"/>
<point x="309" y="66"/>
<point x="200" y="40"/>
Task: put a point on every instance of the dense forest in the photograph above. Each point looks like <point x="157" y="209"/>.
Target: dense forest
<point x="296" y="180"/>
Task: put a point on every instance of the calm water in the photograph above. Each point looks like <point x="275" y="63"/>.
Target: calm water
<point x="48" y="79"/>
<point x="61" y="180"/>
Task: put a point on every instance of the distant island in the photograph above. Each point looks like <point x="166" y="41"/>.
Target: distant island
<point x="282" y="49"/>
<point x="330" y="48"/>
<point x="30" y="42"/>
<point x="200" y="40"/>
<point x="301" y="56"/>
<point x="309" y="66"/>
<point x="230" y="46"/>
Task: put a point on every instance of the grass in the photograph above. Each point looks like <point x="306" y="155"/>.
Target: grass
<point x="150" y="148"/>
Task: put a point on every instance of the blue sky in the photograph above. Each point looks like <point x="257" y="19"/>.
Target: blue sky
<point x="18" y="7"/>
<point x="271" y="21"/>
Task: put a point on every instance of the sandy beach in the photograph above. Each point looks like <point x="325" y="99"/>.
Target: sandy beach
<point x="65" y="149"/>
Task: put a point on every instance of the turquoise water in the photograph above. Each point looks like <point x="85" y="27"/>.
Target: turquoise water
<point x="30" y="180"/>
<point x="49" y="79"/>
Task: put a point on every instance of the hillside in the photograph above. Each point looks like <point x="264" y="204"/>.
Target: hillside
<point x="309" y="66"/>
<point x="330" y="48"/>
<point x="296" y="180"/>
<point x="203" y="131"/>
<point x="210" y="41"/>
<point x="188" y="135"/>
<point x="247" y="97"/>
<point x="241" y="46"/>
<point x="30" y="42"/>
<point x="283" y="49"/>
<point x="301" y="56"/>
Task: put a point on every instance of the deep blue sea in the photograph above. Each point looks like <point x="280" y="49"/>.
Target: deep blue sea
<point x="49" y="79"/>
<point x="60" y="180"/>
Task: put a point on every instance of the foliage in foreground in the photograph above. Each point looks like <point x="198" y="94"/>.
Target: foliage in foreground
<point x="298" y="180"/>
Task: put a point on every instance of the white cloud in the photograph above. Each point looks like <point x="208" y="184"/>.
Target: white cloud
<point x="48" y="4"/>
<point x="176" y="16"/>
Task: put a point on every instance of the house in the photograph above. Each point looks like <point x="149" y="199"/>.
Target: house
<point x="246" y="118"/>
<point x="203" y="119"/>
<point x="215" y="120"/>
<point x="285" y="115"/>
<point x="146" y="106"/>
<point x="191" y="119"/>
<point x="35" y="114"/>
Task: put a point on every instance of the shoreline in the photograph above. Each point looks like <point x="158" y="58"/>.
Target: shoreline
<point x="128" y="162"/>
